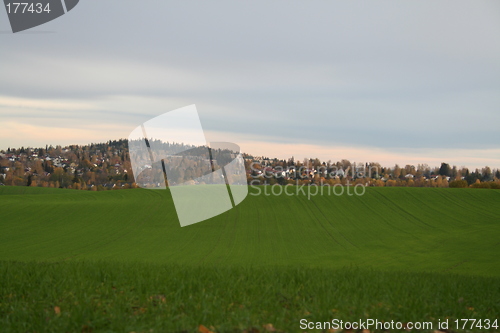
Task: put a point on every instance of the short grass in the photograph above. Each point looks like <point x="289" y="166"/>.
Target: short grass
<point x="119" y="261"/>
<point x="414" y="229"/>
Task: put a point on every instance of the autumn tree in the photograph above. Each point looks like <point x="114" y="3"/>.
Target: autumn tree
<point x="487" y="175"/>
<point x="458" y="184"/>
<point x="396" y="172"/>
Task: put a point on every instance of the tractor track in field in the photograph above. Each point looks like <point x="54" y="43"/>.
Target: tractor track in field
<point x="436" y="210"/>
<point x="386" y="221"/>
<point x="325" y="228"/>
<point x="218" y="242"/>
<point x="407" y="213"/>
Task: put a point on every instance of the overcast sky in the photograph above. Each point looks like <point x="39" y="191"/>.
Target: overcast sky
<point x="391" y="81"/>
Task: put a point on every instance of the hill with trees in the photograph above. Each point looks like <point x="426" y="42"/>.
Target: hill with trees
<point x="102" y="166"/>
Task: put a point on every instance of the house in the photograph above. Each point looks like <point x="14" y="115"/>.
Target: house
<point x="257" y="172"/>
<point x="279" y="174"/>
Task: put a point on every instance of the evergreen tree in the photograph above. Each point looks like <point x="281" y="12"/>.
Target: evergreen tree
<point x="445" y="170"/>
<point x="75" y="178"/>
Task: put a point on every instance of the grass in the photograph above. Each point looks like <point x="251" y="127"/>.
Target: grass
<point x="118" y="261"/>
<point x="414" y="229"/>
<point x="80" y="296"/>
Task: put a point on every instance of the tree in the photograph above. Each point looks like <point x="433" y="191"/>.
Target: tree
<point x="439" y="181"/>
<point x="459" y="184"/>
<point x="397" y="171"/>
<point x="29" y="181"/>
<point x="75" y="178"/>
<point x="445" y="170"/>
<point x="487" y="174"/>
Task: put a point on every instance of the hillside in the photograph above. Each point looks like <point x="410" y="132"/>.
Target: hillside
<point x="408" y="229"/>
<point x="103" y="166"/>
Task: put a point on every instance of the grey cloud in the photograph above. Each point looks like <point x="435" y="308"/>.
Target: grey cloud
<point x="388" y="74"/>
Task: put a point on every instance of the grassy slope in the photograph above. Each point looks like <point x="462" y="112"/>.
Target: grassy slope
<point x="452" y="233"/>
<point x="416" y="229"/>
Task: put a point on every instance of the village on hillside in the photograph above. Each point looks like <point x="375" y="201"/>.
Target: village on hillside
<point x="104" y="166"/>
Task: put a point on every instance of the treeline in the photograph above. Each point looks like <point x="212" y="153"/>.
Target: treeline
<point x="105" y="166"/>
<point x="316" y="172"/>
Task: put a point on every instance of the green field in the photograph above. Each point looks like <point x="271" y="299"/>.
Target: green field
<point x="119" y="261"/>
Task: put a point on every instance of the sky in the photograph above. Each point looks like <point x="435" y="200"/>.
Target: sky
<point x="394" y="82"/>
